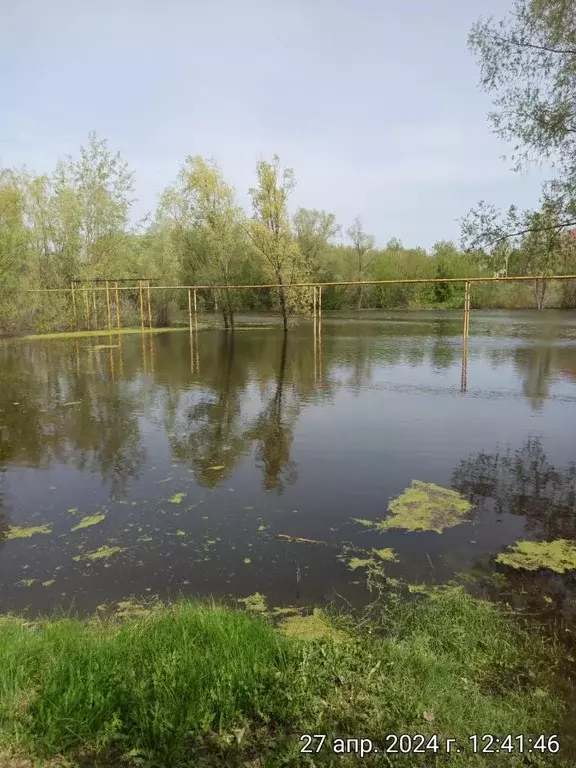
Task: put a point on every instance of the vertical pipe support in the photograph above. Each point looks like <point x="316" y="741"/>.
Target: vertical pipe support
<point x="117" y="304"/>
<point x="149" y="305"/>
<point x="141" y="305"/>
<point x="74" y="306"/>
<point x="108" y="313"/>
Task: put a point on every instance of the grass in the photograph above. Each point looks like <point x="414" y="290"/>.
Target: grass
<point x="193" y="684"/>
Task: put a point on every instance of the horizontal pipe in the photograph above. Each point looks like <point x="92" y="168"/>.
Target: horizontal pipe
<point x="415" y="281"/>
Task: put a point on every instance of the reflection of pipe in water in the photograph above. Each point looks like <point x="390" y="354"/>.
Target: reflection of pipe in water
<point x="77" y="359"/>
<point x="151" y="337"/>
<point x="120" y="355"/>
<point x="112" y="372"/>
<point x="465" y="333"/>
<point x="143" y="339"/>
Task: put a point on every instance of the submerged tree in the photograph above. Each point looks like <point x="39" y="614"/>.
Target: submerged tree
<point x="208" y="223"/>
<point x="271" y="233"/>
<point x="362" y="244"/>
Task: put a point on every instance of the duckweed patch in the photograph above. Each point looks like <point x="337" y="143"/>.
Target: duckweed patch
<point x="558" y="555"/>
<point x="86" y="522"/>
<point x="426" y="507"/>
<point x="387" y="554"/>
<point x="316" y="626"/>
<point x="255" y="603"/>
<point x="359" y="562"/>
<point x="17" y="532"/>
<point x="100" y="553"/>
<point x="177" y="498"/>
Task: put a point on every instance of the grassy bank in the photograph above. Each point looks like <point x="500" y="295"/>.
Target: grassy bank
<point x="192" y="684"/>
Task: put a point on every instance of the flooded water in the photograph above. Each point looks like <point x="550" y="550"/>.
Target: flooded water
<point x="170" y="464"/>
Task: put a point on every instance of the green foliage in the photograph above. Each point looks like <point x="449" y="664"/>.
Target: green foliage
<point x="75" y="223"/>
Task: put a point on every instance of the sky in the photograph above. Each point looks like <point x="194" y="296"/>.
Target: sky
<point x="375" y="104"/>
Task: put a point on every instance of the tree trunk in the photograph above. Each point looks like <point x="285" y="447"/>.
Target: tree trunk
<point x="230" y="308"/>
<point x="283" y="308"/>
<point x="540" y="289"/>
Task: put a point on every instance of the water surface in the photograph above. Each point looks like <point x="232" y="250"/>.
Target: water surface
<point x="198" y="452"/>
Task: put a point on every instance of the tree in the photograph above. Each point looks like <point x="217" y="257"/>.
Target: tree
<point x="209" y="223"/>
<point x="528" y="62"/>
<point x="271" y="234"/>
<point x="533" y="237"/>
<point x="103" y="185"/>
<point x="14" y="241"/>
<point x="362" y="244"/>
<point x="314" y="231"/>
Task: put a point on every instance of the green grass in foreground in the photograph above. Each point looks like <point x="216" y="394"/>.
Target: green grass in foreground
<point x="200" y="685"/>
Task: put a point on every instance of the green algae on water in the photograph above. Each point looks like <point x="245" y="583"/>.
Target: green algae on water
<point x="177" y="498"/>
<point x="16" y="532"/>
<point x="558" y="555"/>
<point x="387" y="554"/>
<point x="48" y="582"/>
<point x="314" y="627"/>
<point x="100" y="553"/>
<point x="27" y="582"/>
<point x="247" y="561"/>
<point x="88" y="521"/>
<point x="365" y="523"/>
<point x="359" y="562"/>
<point x="255" y="603"/>
<point x="426" y="507"/>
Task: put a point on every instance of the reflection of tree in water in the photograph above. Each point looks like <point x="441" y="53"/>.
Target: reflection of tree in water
<point x="4" y="512"/>
<point x="211" y="433"/>
<point x="52" y="413"/>
<point x="273" y="431"/>
<point x="522" y="482"/>
<point x="535" y="365"/>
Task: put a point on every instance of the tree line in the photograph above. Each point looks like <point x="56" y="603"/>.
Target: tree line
<point x="76" y="222"/>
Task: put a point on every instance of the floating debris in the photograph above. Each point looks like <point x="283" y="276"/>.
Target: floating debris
<point x="16" y="532"/>
<point x="218" y="467"/>
<point x="247" y="561"/>
<point x="177" y="498"/>
<point x="48" y="583"/>
<point x="27" y="582"/>
<point x="426" y="507"/>
<point x="299" y="539"/>
<point x="558" y="555"/>
<point x="88" y="521"/>
<point x="103" y="346"/>
<point x="72" y="510"/>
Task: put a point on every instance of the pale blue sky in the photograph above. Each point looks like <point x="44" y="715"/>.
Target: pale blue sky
<point x="375" y="104"/>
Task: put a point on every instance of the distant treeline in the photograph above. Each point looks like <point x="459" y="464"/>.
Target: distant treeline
<point x="75" y="223"/>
